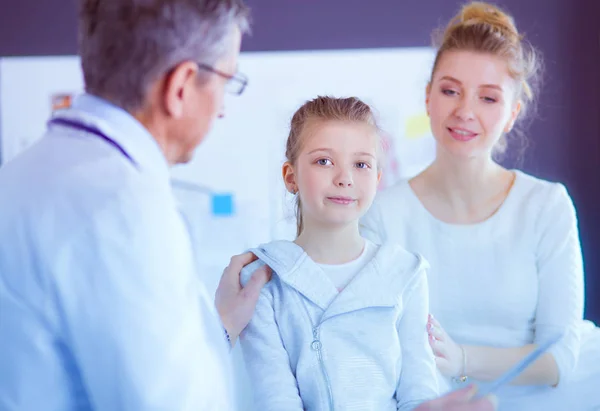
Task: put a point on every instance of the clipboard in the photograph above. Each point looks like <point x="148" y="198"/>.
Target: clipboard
<point x="511" y="374"/>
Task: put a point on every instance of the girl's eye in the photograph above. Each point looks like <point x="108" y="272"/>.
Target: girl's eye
<point x="324" y="162"/>
<point x="361" y="164"/>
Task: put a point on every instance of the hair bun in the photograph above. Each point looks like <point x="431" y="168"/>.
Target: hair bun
<point x="485" y="14"/>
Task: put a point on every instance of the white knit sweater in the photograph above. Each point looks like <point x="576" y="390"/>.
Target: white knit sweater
<point x="512" y="280"/>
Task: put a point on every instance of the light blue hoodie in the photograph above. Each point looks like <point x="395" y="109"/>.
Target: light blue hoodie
<point x="310" y="347"/>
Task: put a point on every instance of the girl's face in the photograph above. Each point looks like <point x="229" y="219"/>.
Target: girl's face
<point x="336" y="173"/>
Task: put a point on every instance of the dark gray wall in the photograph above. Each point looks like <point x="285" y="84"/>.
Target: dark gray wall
<point x="565" y="135"/>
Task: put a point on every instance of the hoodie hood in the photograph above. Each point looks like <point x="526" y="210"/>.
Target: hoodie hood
<point x="379" y="283"/>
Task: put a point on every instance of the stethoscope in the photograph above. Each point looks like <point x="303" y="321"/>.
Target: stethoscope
<point x="90" y="130"/>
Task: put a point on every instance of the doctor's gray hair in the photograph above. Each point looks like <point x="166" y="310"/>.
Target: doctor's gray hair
<point x="126" y="45"/>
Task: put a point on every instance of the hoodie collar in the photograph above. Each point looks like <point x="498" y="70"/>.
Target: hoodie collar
<point x="379" y="284"/>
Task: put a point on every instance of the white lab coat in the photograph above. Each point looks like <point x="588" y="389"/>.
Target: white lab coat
<point x="100" y="304"/>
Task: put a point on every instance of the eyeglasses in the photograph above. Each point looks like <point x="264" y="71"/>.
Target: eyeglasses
<point x="236" y="83"/>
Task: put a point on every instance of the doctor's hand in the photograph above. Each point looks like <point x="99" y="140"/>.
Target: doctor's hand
<point x="448" y="354"/>
<point x="235" y="304"/>
<point x="460" y="400"/>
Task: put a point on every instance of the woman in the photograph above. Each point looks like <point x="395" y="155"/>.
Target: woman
<point x="506" y="267"/>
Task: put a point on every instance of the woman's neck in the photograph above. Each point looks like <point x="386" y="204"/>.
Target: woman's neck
<point x="463" y="191"/>
<point x="331" y="244"/>
<point x="465" y="182"/>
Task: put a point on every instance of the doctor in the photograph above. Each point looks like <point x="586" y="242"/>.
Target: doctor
<point x="100" y="306"/>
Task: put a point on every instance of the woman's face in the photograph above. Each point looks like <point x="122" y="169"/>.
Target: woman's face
<point x="471" y="102"/>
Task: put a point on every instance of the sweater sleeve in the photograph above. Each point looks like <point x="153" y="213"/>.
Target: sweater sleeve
<point x="418" y="380"/>
<point x="268" y="364"/>
<point x="560" y="276"/>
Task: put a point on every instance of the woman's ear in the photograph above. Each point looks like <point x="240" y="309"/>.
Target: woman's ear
<point x="514" y="114"/>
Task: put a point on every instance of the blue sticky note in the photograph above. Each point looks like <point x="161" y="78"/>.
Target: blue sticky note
<point x="222" y="205"/>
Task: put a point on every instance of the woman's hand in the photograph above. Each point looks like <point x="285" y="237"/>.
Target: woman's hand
<point x="449" y="356"/>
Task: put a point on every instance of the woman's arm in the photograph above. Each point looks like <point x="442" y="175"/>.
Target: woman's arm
<point x="488" y="363"/>
<point x="559" y="310"/>
<point x="560" y="277"/>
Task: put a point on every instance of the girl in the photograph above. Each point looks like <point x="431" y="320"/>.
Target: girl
<point x="341" y="325"/>
<point x="506" y="267"/>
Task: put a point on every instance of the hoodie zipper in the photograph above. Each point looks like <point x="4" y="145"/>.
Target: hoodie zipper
<point x="317" y="346"/>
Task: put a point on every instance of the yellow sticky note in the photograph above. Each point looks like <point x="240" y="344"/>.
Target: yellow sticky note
<point x="417" y="126"/>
